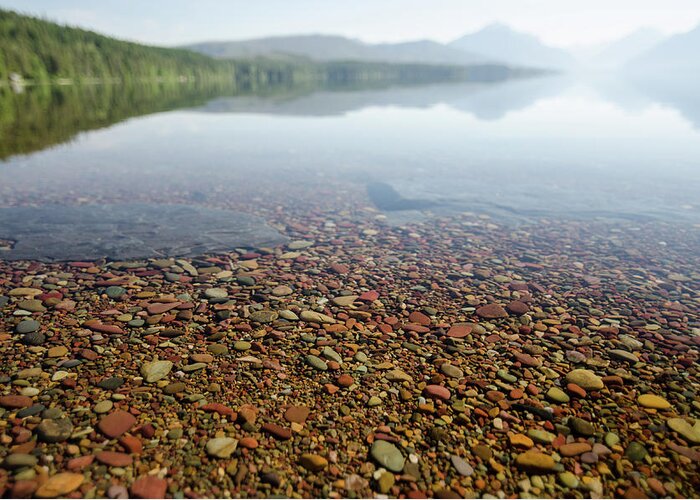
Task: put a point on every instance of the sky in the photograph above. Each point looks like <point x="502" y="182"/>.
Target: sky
<point x="562" y="23"/>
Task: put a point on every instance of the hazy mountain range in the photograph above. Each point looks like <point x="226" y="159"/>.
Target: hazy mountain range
<point x="645" y="49"/>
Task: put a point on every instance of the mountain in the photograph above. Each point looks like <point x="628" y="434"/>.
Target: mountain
<point x="619" y="52"/>
<point x="679" y="52"/>
<point x="337" y="48"/>
<point x="501" y="43"/>
<point x="36" y="51"/>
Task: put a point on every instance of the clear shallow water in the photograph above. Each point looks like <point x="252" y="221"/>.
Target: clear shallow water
<point x="555" y="147"/>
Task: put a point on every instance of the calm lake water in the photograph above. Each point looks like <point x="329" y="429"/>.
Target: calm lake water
<point x="554" y="147"/>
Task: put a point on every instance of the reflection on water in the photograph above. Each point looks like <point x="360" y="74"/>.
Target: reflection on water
<point x="556" y="146"/>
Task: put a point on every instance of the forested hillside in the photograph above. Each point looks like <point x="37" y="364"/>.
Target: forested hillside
<point x="44" y="52"/>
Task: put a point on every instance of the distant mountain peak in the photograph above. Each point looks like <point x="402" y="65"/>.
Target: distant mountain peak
<point x="500" y="42"/>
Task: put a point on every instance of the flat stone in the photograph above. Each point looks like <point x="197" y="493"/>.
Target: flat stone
<point x="461" y="466"/>
<point x="582" y="427"/>
<point x="221" y="447"/>
<point x="397" y="375"/>
<point x="215" y="293"/>
<point x="18" y="460"/>
<point x="585" y="379"/>
<point x="535" y="461"/>
<point x="316" y="362"/>
<point x="574" y="449"/>
<point x="451" y="370"/>
<point x="297" y="414"/>
<point x="557" y="395"/>
<point x="685" y="429"/>
<point x="60" y="485"/>
<point x="264" y="316"/>
<point x="103" y="406"/>
<point x="281" y="291"/>
<point x="55" y="431"/>
<point x="13" y="401"/>
<point x="174" y="388"/>
<point x="636" y="451"/>
<point x="279" y="432"/>
<point x="459" y="331"/>
<point x="57" y="352"/>
<point x="541" y="436"/>
<point x="316" y="317"/>
<point x="34" y="338"/>
<point x="117" y="423"/>
<point x="653" y="401"/>
<point x="312" y="462"/>
<point x="491" y="311"/>
<point x="149" y="487"/>
<point x="114" y="459"/>
<point x="27" y="326"/>
<point x="387" y="455"/>
<point x="622" y="355"/>
<point x="156" y="370"/>
<point x="111" y="383"/>
<point x="437" y="391"/>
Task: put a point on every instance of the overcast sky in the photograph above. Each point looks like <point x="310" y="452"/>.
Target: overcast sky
<point x="171" y="22"/>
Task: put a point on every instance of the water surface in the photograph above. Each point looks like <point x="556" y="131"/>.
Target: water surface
<point x="544" y="147"/>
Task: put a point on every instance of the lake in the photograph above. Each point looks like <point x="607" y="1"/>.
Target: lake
<point x="560" y="147"/>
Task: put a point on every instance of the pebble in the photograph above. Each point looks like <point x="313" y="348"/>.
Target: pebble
<point x="557" y="395"/>
<point x="312" y="462"/>
<point x="653" y="401"/>
<point x="103" y="406"/>
<point x="27" y="326"/>
<point x="156" y="370"/>
<point x="60" y="485"/>
<point x="685" y="429"/>
<point x="491" y="311"/>
<point x="461" y="466"/>
<point x="55" y="431"/>
<point x="535" y="461"/>
<point x="585" y="379"/>
<point x="316" y="362"/>
<point x="116" y="423"/>
<point x="222" y="447"/>
<point x="149" y="487"/>
<point x="387" y="455"/>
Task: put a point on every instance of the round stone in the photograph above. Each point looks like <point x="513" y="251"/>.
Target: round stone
<point x="34" y="338"/>
<point x="636" y="451"/>
<point x="27" y="326"/>
<point x="103" y="406"/>
<point x="387" y="455"/>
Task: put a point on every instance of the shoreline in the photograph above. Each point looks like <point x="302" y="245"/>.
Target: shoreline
<point x="359" y="333"/>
